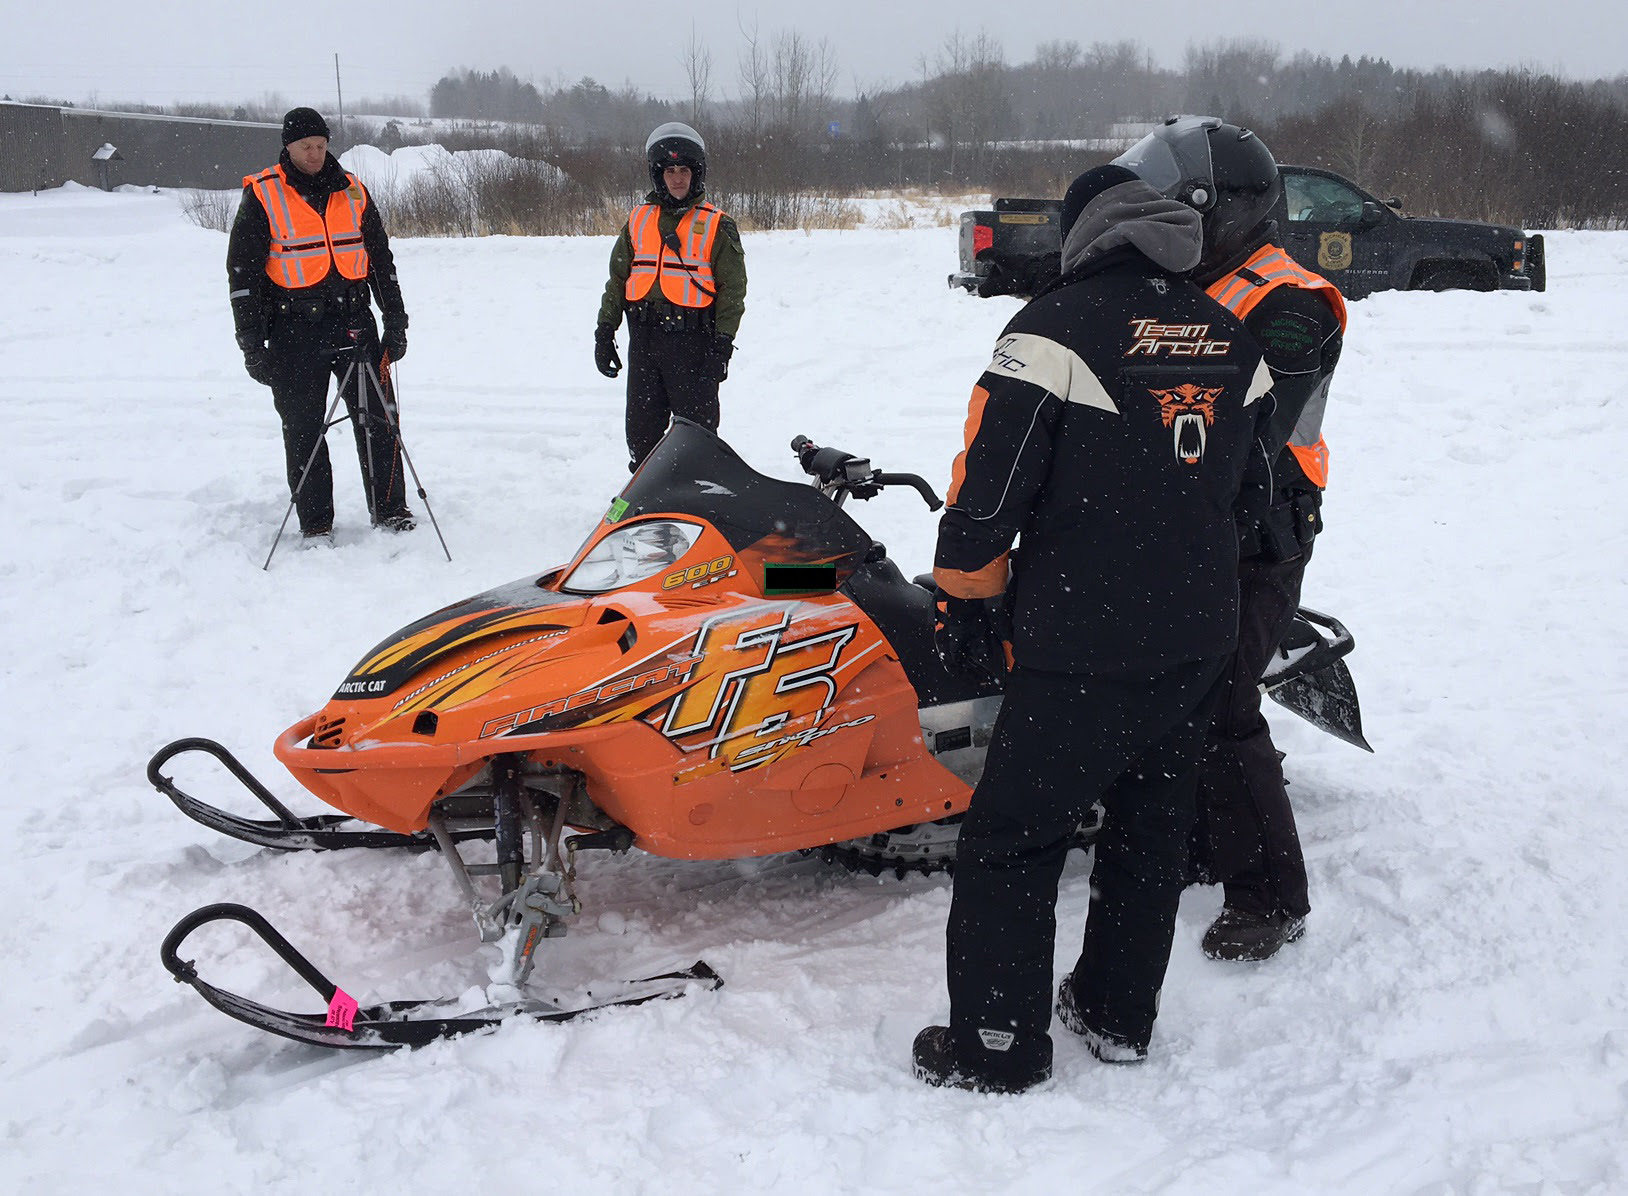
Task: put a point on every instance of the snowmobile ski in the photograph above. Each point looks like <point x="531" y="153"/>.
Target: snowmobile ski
<point x="320" y="832"/>
<point x="345" y="1025"/>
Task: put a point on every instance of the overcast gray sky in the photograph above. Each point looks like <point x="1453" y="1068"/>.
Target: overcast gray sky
<point x="117" y="50"/>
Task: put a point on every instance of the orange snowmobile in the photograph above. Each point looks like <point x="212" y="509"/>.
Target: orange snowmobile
<point x="729" y="667"/>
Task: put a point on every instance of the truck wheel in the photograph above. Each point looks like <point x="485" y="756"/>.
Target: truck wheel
<point x="1455" y="276"/>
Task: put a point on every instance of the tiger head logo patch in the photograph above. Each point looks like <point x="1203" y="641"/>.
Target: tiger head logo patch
<point x="1188" y="410"/>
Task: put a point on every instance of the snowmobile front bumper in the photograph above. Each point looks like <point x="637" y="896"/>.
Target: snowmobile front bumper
<point x="285" y="832"/>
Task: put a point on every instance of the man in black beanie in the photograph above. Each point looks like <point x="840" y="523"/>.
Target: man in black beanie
<point x="1114" y="429"/>
<point x="306" y="250"/>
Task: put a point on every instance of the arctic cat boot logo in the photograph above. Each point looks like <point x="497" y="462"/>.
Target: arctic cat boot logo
<point x="1149" y="338"/>
<point x="1188" y="410"/>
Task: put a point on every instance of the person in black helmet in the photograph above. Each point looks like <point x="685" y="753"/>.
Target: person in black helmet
<point x="1245" y="835"/>
<point x="1112" y="430"/>
<point x="679" y="273"/>
<point x="307" y="251"/>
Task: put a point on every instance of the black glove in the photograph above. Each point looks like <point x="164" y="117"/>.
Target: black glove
<point x="716" y="361"/>
<point x="257" y="361"/>
<point x="606" y="358"/>
<point x="965" y="640"/>
<point x="394" y="341"/>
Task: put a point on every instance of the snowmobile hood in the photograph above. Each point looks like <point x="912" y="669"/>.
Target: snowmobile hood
<point x="502" y="619"/>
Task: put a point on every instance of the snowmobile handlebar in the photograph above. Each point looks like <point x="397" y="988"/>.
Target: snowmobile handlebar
<point x="838" y="471"/>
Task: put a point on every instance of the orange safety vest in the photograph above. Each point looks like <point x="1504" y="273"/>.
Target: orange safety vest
<point x="686" y="275"/>
<point x="1267" y="269"/>
<point x="303" y="241"/>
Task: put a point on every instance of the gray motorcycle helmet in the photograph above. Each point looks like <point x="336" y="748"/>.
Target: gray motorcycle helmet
<point x="1223" y="171"/>
<point x="675" y="144"/>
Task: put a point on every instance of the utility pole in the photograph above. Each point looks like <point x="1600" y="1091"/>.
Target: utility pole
<point x="339" y="89"/>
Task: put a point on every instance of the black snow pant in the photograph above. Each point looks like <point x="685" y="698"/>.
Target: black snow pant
<point x="1245" y="832"/>
<point x="305" y="353"/>
<point x="667" y="375"/>
<point x="1062" y="742"/>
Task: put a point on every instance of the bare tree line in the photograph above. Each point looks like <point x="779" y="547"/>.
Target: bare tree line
<point x="1516" y="146"/>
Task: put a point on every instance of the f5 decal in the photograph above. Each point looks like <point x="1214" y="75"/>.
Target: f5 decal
<point x="753" y="682"/>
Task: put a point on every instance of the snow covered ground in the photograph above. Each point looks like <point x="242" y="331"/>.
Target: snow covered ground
<point x="1455" y="1021"/>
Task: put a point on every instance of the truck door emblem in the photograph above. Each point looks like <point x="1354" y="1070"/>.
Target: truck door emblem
<point x="1334" y="251"/>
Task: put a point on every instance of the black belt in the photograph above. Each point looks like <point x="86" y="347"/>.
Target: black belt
<point x="320" y="302"/>
<point x="666" y="317"/>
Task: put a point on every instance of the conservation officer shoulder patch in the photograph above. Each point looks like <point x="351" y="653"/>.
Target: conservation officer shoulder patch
<point x="1288" y="334"/>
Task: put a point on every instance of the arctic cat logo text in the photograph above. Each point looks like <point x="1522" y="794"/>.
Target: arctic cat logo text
<point x="1188" y="410"/>
<point x="1004" y="360"/>
<point x="352" y="688"/>
<point x="1153" y="339"/>
<point x="589" y="697"/>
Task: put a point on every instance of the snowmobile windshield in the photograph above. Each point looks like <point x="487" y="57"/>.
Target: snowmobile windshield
<point x="1175" y="161"/>
<point x="693" y="472"/>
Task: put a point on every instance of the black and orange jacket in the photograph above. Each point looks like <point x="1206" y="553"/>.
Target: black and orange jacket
<point x="645" y="275"/>
<point x="1111" y="431"/>
<point x="1299" y="319"/>
<point x="320" y="234"/>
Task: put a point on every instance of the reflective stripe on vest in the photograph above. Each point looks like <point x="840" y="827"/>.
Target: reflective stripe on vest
<point x="1239" y="292"/>
<point x="686" y="277"/>
<point x="304" y="243"/>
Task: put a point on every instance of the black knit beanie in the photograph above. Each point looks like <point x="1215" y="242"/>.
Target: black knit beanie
<point x="300" y="123"/>
<point x="1087" y="187"/>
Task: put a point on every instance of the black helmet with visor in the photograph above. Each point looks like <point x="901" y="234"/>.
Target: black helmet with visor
<point x="1223" y="171"/>
<point x="675" y="144"/>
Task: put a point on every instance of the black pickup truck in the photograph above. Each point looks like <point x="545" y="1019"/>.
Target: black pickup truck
<point x="1327" y="223"/>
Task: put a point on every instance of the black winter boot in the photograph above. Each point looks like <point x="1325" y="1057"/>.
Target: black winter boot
<point x="1105" y="1047"/>
<point x="1242" y="936"/>
<point x="935" y="1061"/>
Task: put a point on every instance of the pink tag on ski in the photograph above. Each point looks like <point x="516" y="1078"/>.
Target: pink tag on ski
<point x="342" y="1010"/>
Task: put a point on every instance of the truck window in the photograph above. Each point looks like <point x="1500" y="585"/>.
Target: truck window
<point x="1324" y="201"/>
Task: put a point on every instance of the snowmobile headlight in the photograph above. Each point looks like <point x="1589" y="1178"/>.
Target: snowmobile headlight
<point x="632" y="554"/>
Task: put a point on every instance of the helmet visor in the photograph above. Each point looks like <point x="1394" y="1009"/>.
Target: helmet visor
<point x="1175" y="161"/>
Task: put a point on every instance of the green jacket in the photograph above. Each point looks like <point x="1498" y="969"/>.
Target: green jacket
<point x="728" y="272"/>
